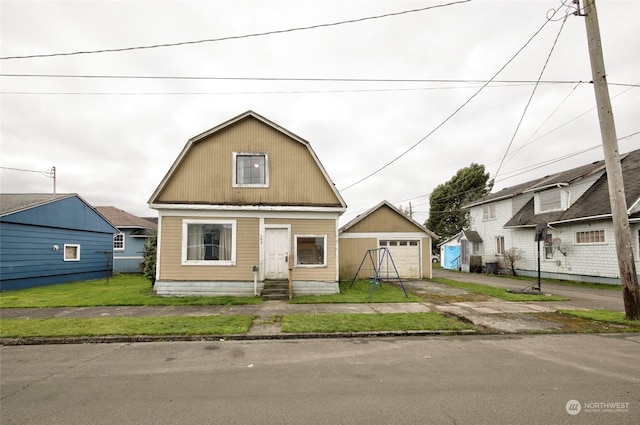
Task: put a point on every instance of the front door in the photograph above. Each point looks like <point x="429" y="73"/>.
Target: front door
<point x="276" y="253"/>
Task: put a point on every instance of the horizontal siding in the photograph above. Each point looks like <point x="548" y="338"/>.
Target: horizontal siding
<point x="352" y="251"/>
<point x="318" y="227"/>
<point x="384" y="219"/>
<point x="247" y="250"/>
<point x="28" y="258"/>
<point x="206" y="172"/>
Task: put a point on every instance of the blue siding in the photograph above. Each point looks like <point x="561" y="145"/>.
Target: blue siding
<point x="127" y="261"/>
<point x="27" y="258"/>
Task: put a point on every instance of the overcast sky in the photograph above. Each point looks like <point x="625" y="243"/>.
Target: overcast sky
<point x="362" y="92"/>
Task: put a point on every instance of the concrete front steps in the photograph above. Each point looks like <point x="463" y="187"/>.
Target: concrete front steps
<point x="275" y="290"/>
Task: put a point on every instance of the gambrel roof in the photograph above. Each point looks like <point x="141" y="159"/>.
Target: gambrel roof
<point x="332" y="197"/>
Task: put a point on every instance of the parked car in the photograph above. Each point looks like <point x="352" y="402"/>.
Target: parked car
<point x="435" y="258"/>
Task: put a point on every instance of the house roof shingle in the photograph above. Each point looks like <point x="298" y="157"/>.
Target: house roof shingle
<point x="11" y="203"/>
<point x="593" y="203"/>
<point x="123" y="219"/>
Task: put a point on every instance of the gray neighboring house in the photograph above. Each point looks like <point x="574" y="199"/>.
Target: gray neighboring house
<point x="574" y="205"/>
<point x="128" y="243"/>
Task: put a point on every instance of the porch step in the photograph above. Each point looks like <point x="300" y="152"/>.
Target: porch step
<point x="275" y="290"/>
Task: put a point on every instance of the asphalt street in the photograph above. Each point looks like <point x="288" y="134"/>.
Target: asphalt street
<point x="523" y="379"/>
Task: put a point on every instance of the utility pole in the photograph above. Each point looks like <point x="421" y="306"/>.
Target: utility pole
<point x="628" y="276"/>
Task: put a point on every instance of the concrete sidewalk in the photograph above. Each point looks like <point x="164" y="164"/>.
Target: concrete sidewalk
<point x="490" y="316"/>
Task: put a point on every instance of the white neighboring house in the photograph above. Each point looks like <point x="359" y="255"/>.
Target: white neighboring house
<point x="574" y="205"/>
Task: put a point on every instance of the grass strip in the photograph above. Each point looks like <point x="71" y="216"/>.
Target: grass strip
<point x="359" y="293"/>
<point x="329" y="323"/>
<point x="501" y="293"/>
<point x="122" y="290"/>
<point x="125" y="326"/>
<point x="604" y="316"/>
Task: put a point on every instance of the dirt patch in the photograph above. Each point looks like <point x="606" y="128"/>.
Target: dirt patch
<point x="566" y="324"/>
<point x="437" y="293"/>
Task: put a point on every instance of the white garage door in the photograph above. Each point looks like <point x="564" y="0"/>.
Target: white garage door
<point x="406" y="257"/>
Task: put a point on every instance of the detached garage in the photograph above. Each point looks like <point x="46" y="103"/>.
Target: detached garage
<point x="408" y="242"/>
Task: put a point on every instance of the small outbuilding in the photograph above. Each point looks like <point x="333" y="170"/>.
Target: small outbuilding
<point x="52" y="238"/>
<point x="409" y="243"/>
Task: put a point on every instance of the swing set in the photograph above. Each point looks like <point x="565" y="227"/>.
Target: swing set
<point x="380" y="273"/>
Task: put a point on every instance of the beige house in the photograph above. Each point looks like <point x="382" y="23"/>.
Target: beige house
<point x="239" y="200"/>
<point x="409" y="243"/>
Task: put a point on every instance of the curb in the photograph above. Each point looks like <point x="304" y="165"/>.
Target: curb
<point x="231" y="337"/>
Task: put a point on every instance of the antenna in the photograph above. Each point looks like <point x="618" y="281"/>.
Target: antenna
<point x="556" y="244"/>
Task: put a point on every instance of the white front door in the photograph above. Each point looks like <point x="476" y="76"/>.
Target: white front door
<point x="276" y="253"/>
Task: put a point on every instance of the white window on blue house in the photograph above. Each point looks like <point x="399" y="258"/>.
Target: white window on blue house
<point x="209" y="242"/>
<point x="250" y="169"/>
<point x="71" y="252"/>
<point x="118" y="242"/>
<point x="310" y="250"/>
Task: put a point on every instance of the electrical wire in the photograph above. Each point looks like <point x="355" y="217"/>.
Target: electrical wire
<point x="237" y="37"/>
<point x="533" y="92"/>
<point x="452" y="114"/>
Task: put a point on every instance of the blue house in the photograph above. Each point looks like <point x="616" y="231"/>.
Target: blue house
<point x="52" y="238"/>
<point x="128" y="243"/>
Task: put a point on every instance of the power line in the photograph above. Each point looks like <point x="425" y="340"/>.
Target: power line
<point x="295" y="79"/>
<point x="451" y="115"/>
<point x="533" y="92"/>
<point x="237" y="37"/>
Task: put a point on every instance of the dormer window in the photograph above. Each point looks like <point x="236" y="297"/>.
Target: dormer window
<point x="555" y="199"/>
<point x="250" y="169"/>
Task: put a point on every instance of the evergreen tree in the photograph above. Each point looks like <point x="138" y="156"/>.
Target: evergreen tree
<point x="446" y="216"/>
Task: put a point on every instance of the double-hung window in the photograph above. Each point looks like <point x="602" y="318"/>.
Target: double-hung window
<point x="209" y="242"/>
<point x="250" y="169"/>
<point x="500" y="245"/>
<point x="118" y="242"/>
<point x="310" y="250"/>
<point x="488" y="212"/>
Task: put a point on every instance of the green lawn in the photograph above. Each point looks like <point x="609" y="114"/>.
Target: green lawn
<point x="127" y="289"/>
<point x="328" y="323"/>
<point x="125" y="326"/>
<point x="605" y="316"/>
<point x="359" y="293"/>
<point x="494" y="292"/>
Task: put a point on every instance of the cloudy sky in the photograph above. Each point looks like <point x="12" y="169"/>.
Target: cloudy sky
<point x="394" y="96"/>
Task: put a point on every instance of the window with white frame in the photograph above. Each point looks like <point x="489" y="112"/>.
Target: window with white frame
<point x="488" y="212"/>
<point x="209" y="242"/>
<point x="250" y="169"/>
<point x="590" y="236"/>
<point x="71" y="252"/>
<point x="556" y="199"/>
<point x="500" y="245"/>
<point x="548" y="248"/>
<point x="118" y="242"/>
<point x="310" y="250"/>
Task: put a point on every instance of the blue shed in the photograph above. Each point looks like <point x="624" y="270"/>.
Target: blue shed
<point x="52" y="238"/>
<point x="128" y="243"/>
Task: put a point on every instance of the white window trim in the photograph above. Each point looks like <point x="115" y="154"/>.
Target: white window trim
<point x="295" y="250"/>
<point x="123" y="242"/>
<point x="185" y="233"/>
<point x="497" y="245"/>
<point x="575" y="237"/>
<point x="565" y="198"/>
<point x="234" y="167"/>
<point x="491" y="212"/>
<point x="65" y="252"/>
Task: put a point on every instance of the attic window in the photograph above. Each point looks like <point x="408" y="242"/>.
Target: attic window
<point x="250" y="169"/>
<point x="554" y="199"/>
<point x="488" y="212"/>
